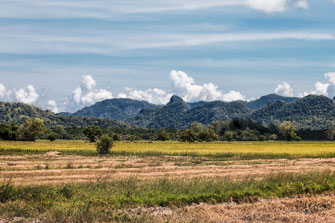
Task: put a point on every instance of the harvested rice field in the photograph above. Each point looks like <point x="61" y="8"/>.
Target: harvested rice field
<point x="66" y="181"/>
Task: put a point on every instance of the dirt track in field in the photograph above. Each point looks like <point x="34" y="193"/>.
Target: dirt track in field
<point x="57" y="169"/>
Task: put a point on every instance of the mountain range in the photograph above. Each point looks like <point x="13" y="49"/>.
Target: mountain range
<point x="314" y="112"/>
<point x="19" y="112"/>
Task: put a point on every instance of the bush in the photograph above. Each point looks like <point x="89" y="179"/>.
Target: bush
<point x="273" y="137"/>
<point x="262" y="138"/>
<point x="104" y="144"/>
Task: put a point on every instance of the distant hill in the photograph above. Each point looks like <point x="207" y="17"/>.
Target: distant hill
<point x="19" y="112"/>
<point x="315" y="112"/>
<point x="179" y="114"/>
<point x="117" y="109"/>
<point x="312" y="111"/>
<point x="267" y="99"/>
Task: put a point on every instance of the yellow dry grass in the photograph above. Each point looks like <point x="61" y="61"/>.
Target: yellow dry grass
<point x="173" y="147"/>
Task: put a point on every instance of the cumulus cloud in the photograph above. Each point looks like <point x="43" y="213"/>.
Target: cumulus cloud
<point x="52" y="106"/>
<point x="319" y="89"/>
<point x="2" y="91"/>
<point x="270" y="6"/>
<point x="302" y="4"/>
<point x="87" y="93"/>
<point x="284" y="89"/>
<point x="184" y="86"/>
<point x="155" y="96"/>
<point x="26" y="95"/>
<point x="331" y="80"/>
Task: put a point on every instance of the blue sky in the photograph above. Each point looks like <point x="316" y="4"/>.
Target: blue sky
<point x="66" y="54"/>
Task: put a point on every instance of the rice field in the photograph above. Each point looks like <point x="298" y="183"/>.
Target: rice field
<point x="270" y="148"/>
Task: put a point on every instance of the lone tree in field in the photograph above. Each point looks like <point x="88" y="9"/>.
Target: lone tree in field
<point x="31" y="129"/>
<point x="287" y="129"/>
<point x="104" y="144"/>
<point x="92" y="132"/>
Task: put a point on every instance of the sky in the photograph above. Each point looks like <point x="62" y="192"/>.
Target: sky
<point x="63" y="55"/>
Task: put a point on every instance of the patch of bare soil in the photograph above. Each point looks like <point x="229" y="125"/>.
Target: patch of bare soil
<point x="58" y="169"/>
<point x="314" y="209"/>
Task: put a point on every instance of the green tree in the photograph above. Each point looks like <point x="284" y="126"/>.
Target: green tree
<point x="92" y="132"/>
<point x="31" y="129"/>
<point x="163" y="135"/>
<point x="188" y="135"/>
<point x="197" y="127"/>
<point x="228" y="135"/>
<point x="104" y="144"/>
<point x="8" y="131"/>
<point x="248" y="135"/>
<point x="287" y="129"/>
<point x="330" y="134"/>
<point x="52" y="136"/>
<point x="207" y="135"/>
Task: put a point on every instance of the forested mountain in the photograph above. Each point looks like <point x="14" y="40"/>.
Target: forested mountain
<point x="267" y="99"/>
<point x="19" y="112"/>
<point x="314" y="112"/>
<point x="179" y="114"/>
<point x="116" y="109"/>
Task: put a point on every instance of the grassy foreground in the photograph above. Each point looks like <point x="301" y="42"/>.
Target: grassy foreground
<point x="103" y="201"/>
<point x="238" y="150"/>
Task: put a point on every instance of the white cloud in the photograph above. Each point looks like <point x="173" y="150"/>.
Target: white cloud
<point x="319" y="89"/>
<point x="105" y="9"/>
<point x="331" y="79"/>
<point x="284" y="89"/>
<point x="52" y="106"/>
<point x="155" y="96"/>
<point x="302" y="4"/>
<point x="270" y="6"/>
<point x="26" y="95"/>
<point x="2" y="91"/>
<point x="87" y="93"/>
<point x="184" y="86"/>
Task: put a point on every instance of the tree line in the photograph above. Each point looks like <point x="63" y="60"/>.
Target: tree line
<point x="234" y="130"/>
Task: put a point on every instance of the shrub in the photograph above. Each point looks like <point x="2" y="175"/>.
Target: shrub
<point x="104" y="144"/>
<point x="273" y="137"/>
<point x="261" y="138"/>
